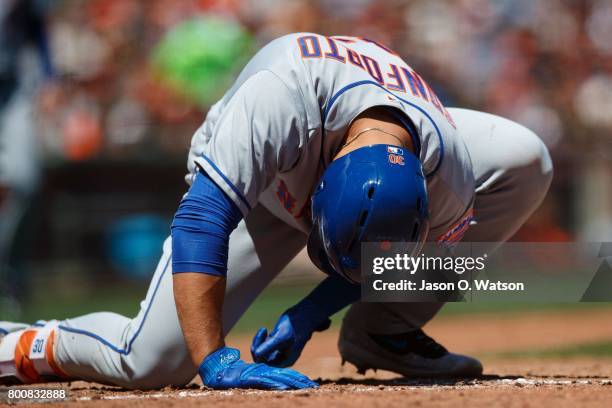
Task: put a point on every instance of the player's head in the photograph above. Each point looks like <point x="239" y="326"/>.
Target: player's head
<point x="372" y="194"/>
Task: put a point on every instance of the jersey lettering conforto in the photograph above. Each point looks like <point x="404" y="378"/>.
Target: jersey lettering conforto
<point x="394" y="77"/>
<point x="455" y="233"/>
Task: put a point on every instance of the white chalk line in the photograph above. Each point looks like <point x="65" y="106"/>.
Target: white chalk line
<point x="365" y="389"/>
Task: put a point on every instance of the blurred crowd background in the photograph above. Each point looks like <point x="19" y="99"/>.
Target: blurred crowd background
<point x="99" y="99"/>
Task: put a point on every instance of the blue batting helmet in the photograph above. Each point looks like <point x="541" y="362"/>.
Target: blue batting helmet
<point x="372" y="194"/>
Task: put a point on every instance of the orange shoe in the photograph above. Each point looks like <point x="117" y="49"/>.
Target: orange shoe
<point x="27" y="356"/>
<point x="23" y="363"/>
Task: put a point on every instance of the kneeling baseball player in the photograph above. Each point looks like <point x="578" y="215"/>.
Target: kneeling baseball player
<point x="324" y="142"/>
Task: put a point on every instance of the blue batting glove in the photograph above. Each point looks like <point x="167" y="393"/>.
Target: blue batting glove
<point x="294" y="328"/>
<point x="223" y="369"/>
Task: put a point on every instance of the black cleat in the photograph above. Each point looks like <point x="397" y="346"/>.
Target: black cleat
<point x="411" y="354"/>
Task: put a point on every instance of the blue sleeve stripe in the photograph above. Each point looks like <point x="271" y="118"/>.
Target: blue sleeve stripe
<point x="228" y="182"/>
<point x="348" y="87"/>
<point x="199" y="267"/>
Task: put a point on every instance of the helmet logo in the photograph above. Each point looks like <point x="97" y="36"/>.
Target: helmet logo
<point x="396" y="159"/>
<point x="395" y="150"/>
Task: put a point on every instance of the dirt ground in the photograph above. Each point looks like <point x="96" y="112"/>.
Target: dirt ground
<point x="524" y="382"/>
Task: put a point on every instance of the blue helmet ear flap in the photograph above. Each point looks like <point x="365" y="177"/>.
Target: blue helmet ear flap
<point x="316" y="246"/>
<point x="317" y="253"/>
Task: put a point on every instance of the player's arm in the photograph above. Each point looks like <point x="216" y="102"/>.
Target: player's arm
<point x="200" y="233"/>
<point x="283" y="346"/>
<point x="258" y="133"/>
<point x="200" y="236"/>
<point x="198" y="299"/>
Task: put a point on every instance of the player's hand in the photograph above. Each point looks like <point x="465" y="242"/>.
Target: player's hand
<point x="223" y="369"/>
<point x="283" y="346"/>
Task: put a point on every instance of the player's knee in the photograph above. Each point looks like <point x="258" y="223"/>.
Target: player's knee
<point x="152" y="371"/>
<point x="154" y="377"/>
<point x="531" y="163"/>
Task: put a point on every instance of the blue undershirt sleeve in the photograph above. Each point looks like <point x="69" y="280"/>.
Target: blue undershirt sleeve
<point x="329" y="297"/>
<point x="201" y="229"/>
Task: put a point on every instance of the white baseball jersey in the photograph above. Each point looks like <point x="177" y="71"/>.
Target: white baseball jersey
<point x="271" y="136"/>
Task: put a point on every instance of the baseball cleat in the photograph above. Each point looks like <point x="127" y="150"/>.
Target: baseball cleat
<point x="411" y="354"/>
<point x="26" y="353"/>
